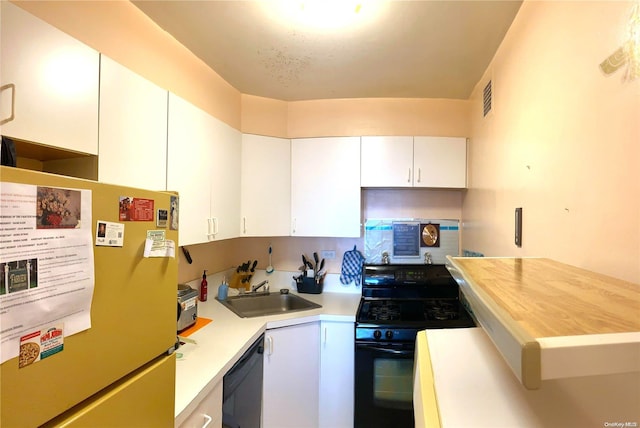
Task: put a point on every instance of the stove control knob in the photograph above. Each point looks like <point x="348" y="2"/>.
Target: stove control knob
<point x="377" y="334"/>
<point x="388" y="334"/>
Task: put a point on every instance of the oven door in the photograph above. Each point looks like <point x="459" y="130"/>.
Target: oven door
<point x="384" y="385"/>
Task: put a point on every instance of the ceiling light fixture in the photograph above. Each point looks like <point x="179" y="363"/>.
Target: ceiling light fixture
<point x="324" y="14"/>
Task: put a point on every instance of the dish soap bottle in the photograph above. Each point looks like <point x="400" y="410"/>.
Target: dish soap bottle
<point x="223" y="290"/>
<point x="203" y="287"/>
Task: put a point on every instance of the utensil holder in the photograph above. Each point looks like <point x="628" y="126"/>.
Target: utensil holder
<point x="310" y="285"/>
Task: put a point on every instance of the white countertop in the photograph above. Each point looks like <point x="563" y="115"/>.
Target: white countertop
<point x="475" y="388"/>
<point x="222" y="342"/>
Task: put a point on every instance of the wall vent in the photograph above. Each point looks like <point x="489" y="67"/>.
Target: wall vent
<point x="486" y="99"/>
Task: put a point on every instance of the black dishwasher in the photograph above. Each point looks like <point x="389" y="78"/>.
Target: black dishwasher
<point x="242" y="389"/>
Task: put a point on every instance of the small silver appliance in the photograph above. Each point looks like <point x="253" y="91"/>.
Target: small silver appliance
<point x="187" y="306"/>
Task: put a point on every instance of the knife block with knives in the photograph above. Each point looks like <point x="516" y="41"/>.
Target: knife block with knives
<point x="242" y="276"/>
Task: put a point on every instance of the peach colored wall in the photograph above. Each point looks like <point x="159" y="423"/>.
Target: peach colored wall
<point x="121" y="31"/>
<point x="264" y="116"/>
<point x="563" y="142"/>
<point x="355" y="117"/>
<point x="379" y="116"/>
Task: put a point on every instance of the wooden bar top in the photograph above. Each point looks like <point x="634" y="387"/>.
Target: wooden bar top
<point x="549" y="299"/>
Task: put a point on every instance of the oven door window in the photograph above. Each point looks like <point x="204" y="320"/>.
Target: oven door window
<point x="393" y="382"/>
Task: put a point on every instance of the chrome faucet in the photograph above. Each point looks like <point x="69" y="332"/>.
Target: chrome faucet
<point x="264" y="284"/>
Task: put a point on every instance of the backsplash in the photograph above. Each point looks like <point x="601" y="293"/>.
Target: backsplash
<point x="408" y="240"/>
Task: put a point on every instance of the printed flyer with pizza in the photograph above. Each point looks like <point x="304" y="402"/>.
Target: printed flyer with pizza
<point x="40" y="344"/>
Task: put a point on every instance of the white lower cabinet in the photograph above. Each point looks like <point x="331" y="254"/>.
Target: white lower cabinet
<point x="336" y="374"/>
<point x="291" y="381"/>
<point x="209" y="411"/>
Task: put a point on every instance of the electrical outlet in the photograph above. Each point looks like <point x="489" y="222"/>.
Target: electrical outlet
<point x="328" y="254"/>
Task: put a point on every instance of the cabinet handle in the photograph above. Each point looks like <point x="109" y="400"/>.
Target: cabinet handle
<point x="293" y="229"/>
<point x="409" y="176"/>
<point x="325" y="335"/>
<point x="209" y="227"/>
<point x="13" y="102"/>
<point x="207" y="420"/>
<point x="244" y="225"/>
<point x="213" y="228"/>
<point x="269" y="344"/>
<point x="419" y="175"/>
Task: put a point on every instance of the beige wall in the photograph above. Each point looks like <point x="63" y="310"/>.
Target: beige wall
<point x="563" y="142"/>
<point x="264" y="116"/>
<point x="379" y="116"/>
<point x="355" y="117"/>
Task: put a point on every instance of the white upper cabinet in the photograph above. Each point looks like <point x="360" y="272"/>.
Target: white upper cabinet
<point x="203" y="165"/>
<point x="133" y="129"/>
<point x="265" y="186"/>
<point x="440" y="162"/>
<point x="387" y="162"/>
<point x="49" y="84"/>
<point x="190" y="143"/>
<point x="414" y="162"/>
<point x="325" y="187"/>
<point x="225" y="181"/>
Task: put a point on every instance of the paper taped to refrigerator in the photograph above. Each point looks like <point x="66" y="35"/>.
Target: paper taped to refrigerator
<point x="46" y="261"/>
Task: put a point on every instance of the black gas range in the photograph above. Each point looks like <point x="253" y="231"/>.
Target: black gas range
<point x="397" y="302"/>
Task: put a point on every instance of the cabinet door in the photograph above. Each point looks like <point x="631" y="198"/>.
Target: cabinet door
<point x="189" y="163"/>
<point x="133" y="129"/>
<point x="387" y="162"/>
<point x="209" y="411"/>
<point x="290" y="383"/>
<point x="49" y="84"/>
<point x="224" y="170"/>
<point x="336" y="374"/>
<point x="440" y="162"/>
<point x="325" y="187"/>
<point x="265" y="188"/>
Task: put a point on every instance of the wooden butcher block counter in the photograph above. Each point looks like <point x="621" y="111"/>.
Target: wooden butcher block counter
<point x="551" y="320"/>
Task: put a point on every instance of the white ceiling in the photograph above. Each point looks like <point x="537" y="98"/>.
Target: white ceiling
<point x="415" y="49"/>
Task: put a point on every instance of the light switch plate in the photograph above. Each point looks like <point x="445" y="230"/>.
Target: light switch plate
<point x="328" y="254"/>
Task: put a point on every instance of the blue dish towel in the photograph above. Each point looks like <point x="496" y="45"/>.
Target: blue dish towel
<point x="351" y="266"/>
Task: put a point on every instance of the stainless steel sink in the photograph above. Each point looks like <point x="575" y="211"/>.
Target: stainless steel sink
<point x="260" y="304"/>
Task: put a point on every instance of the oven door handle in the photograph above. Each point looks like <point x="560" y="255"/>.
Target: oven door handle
<point x="388" y="350"/>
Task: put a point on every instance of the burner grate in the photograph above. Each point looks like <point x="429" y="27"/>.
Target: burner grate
<point x="441" y="310"/>
<point x="383" y="311"/>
